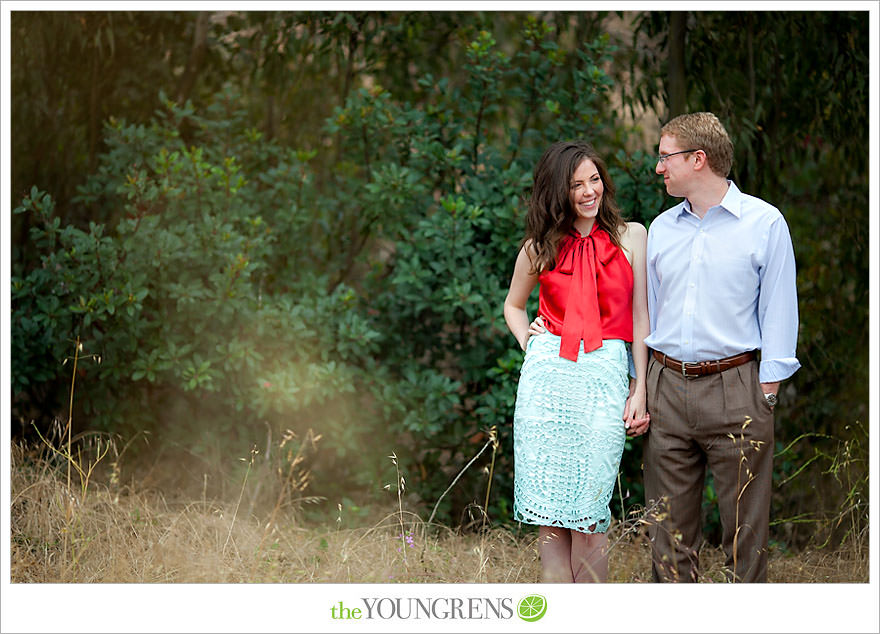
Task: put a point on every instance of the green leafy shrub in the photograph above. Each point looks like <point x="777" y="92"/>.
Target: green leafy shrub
<point x="237" y="289"/>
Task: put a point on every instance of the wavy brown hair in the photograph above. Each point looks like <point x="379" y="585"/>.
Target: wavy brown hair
<point x="551" y="215"/>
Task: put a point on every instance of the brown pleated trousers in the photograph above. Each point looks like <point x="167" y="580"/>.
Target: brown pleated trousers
<point x="722" y="422"/>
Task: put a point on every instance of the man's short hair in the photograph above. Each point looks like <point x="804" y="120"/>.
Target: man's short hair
<point x="703" y="131"/>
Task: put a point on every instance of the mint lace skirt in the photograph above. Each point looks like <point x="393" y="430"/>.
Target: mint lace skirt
<point x="568" y="434"/>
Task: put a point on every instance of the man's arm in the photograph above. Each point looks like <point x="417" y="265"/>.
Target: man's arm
<point x="778" y="309"/>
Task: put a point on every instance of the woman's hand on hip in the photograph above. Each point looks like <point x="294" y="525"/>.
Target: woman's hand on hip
<point x="537" y="326"/>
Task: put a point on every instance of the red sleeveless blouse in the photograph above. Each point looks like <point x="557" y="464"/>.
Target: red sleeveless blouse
<point x="587" y="296"/>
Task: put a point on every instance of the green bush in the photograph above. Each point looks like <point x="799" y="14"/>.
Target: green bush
<point x="237" y="289"/>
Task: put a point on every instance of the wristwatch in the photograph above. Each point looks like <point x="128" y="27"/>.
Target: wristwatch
<point x="771" y="399"/>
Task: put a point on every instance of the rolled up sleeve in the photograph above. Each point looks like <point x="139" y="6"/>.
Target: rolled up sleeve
<point x="778" y="308"/>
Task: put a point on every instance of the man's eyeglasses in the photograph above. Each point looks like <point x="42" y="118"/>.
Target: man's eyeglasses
<point x="662" y="157"/>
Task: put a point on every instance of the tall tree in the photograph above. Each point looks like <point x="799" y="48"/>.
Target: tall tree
<point x="676" y="87"/>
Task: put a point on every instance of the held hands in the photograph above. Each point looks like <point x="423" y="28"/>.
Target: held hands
<point x="635" y="415"/>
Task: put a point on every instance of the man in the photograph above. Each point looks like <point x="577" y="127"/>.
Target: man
<point x="721" y="289"/>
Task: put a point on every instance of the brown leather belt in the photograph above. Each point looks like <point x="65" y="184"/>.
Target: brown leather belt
<point x="704" y="368"/>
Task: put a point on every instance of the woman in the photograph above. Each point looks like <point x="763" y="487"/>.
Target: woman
<point x="574" y="402"/>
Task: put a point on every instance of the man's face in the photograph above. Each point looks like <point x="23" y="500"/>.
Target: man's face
<point x="676" y="169"/>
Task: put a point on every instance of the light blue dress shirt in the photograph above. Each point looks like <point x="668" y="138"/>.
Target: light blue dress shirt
<point x="724" y="284"/>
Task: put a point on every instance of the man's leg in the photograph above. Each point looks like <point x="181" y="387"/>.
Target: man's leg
<point x="742" y="466"/>
<point x="674" y="475"/>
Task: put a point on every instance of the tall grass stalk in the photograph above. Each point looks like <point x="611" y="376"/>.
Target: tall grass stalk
<point x="85" y="471"/>
<point x="485" y="446"/>
<point x="76" y="350"/>
<point x="240" y="495"/>
<point x="493" y="438"/>
<point x="750" y="477"/>
<point x="401" y="487"/>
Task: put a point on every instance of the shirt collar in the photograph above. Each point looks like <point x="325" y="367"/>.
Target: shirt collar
<point x="732" y="202"/>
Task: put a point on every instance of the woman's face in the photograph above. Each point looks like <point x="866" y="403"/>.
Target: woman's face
<point x="585" y="192"/>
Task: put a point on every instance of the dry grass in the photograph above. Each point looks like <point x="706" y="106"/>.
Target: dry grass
<point x="110" y="533"/>
<point x="142" y="537"/>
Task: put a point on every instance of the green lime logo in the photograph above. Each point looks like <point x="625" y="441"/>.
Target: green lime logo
<point x="532" y="607"/>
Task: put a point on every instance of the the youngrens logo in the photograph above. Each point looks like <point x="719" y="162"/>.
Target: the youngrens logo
<point x="530" y="608"/>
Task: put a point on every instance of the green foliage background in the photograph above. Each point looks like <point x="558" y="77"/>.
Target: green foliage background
<point x="294" y="221"/>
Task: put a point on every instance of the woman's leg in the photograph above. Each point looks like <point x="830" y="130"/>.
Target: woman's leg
<point x="554" y="546"/>
<point x="589" y="557"/>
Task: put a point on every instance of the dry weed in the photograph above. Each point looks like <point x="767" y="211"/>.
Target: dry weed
<point x="122" y="535"/>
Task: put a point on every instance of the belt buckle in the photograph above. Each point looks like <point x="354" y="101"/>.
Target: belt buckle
<point x="684" y="370"/>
